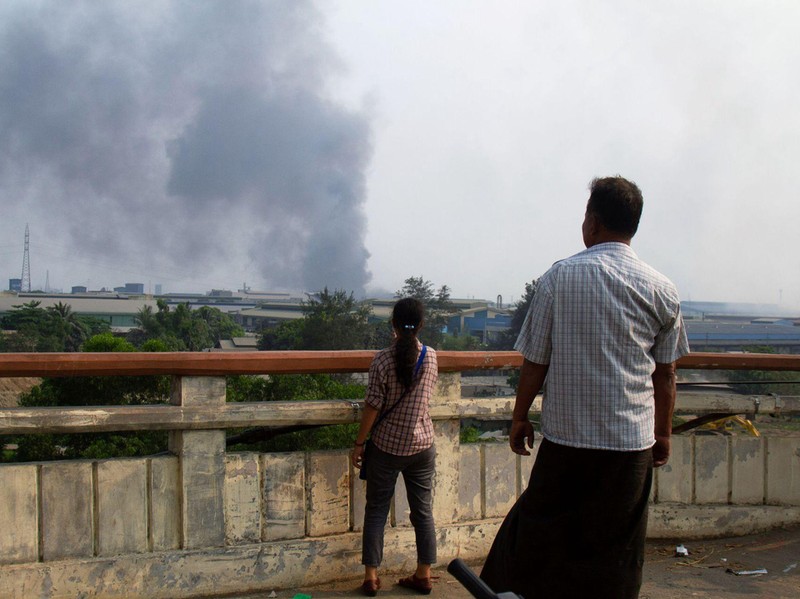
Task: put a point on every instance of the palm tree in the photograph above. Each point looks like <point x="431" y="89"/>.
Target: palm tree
<point x="148" y="321"/>
<point x="68" y="326"/>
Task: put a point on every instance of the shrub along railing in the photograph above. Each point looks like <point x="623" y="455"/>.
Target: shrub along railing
<point x="202" y="520"/>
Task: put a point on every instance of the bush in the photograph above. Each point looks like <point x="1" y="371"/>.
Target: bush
<point x="296" y="387"/>
<point x="469" y="434"/>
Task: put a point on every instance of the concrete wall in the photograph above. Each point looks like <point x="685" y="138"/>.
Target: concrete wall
<point x="202" y="521"/>
<point x="726" y="485"/>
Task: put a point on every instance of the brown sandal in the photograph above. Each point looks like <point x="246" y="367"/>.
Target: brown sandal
<point x="371" y="587"/>
<point x="421" y="585"/>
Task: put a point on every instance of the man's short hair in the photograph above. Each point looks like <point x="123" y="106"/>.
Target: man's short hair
<point x="617" y="204"/>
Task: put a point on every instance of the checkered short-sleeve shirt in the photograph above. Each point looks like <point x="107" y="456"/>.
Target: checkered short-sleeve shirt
<point x="601" y="320"/>
<point x="408" y="428"/>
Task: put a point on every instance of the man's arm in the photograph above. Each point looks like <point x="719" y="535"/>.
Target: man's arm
<point x="531" y="379"/>
<point x="664" y="390"/>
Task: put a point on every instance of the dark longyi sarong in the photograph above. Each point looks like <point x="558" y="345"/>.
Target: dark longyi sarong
<point x="578" y="530"/>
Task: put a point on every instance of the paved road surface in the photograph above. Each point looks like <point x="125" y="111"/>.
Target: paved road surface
<point x="702" y="574"/>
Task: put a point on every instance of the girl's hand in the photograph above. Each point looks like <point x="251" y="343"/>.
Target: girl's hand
<point x="356" y="456"/>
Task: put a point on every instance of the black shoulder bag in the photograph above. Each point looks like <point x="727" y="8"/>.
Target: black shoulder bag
<point x="362" y="473"/>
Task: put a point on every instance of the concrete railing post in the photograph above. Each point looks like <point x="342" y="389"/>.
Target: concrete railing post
<point x="448" y="451"/>
<point x="201" y="455"/>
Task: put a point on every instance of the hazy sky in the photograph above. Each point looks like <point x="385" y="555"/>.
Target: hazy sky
<point x="355" y="143"/>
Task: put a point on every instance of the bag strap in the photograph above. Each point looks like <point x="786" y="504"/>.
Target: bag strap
<point x="420" y="359"/>
<point x="385" y="413"/>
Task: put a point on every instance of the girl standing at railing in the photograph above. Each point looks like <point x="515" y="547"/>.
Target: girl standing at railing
<point x="401" y="381"/>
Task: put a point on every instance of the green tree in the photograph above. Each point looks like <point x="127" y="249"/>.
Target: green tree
<point x="148" y="324"/>
<point x="66" y="325"/>
<point x="335" y="320"/>
<point x="287" y="335"/>
<point x="380" y="335"/>
<point x="438" y="308"/>
<point x="464" y="342"/>
<point x="53" y="329"/>
<point x="194" y="333"/>
<point x="107" y="342"/>
<point x="28" y="321"/>
<point x="331" y="320"/>
<point x="220" y="325"/>
<point x="23" y="315"/>
<point x="183" y="329"/>
<point x="506" y="339"/>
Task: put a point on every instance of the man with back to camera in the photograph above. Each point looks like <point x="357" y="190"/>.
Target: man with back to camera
<point x="605" y="329"/>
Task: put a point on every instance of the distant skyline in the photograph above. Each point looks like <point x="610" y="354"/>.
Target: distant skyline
<point x="295" y="144"/>
<point x="692" y="309"/>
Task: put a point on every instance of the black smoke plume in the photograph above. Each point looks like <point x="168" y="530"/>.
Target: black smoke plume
<point x="190" y="137"/>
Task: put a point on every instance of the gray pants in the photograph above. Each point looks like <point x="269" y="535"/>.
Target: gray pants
<point x="382" y="471"/>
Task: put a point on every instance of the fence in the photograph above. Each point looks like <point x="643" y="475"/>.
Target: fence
<point x="203" y="521"/>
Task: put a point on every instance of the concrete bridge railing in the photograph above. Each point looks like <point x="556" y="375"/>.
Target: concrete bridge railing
<point x="202" y="521"/>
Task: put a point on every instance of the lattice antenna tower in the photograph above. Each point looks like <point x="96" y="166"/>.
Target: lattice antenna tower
<point x="26" y="262"/>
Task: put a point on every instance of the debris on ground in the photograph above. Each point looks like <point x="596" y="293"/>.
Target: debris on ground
<point x="758" y="572"/>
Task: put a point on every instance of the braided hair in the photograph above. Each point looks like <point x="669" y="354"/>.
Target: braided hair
<point x="407" y="316"/>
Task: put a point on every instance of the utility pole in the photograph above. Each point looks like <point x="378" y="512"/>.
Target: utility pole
<point x="26" y="262"/>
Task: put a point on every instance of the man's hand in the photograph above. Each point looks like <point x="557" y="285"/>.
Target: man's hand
<point x="661" y="451"/>
<point x="531" y="379"/>
<point x="664" y="391"/>
<point x="520" y="431"/>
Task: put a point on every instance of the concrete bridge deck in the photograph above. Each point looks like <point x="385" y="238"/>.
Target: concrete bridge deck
<point x="702" y="574"/>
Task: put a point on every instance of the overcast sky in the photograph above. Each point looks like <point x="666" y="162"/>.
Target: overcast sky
<point x="354" y="143"/>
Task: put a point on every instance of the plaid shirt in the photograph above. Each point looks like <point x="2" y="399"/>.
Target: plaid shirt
<point x="407" y="429"/>
<point x="602" y="319"/>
